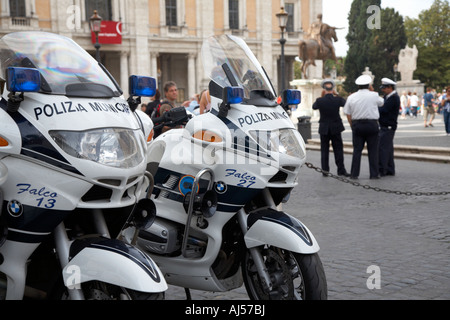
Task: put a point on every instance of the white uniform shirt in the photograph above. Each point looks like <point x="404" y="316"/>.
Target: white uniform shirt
<point x="364" y="104"/>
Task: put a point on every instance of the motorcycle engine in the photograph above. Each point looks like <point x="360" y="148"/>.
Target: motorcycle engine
<point x="161" y="238"/>
<point x="165" y="238"/>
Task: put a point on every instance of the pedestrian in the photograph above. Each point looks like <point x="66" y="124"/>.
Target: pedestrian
<point x="331" y="127"/>
<point x="408" y="107"/>
<point x="193" y="105"/>
<point x="428" y="99"/>
<point x="414" y="104"/>
<point x="169" y="102"/>
<point x="404" y="103"/>
<point x="154" y="104"/>
<point x="446" y="110"/>
<point x="205" y="102"/>
<point x="362" y="113"/>
<point x="388" y="126"/>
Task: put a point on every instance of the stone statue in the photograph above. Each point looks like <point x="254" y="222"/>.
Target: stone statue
<point x="318" y="44"/>
<point x="369" y="73"/>
<point x="407" y="63"/>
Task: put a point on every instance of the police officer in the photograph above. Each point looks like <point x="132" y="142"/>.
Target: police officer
<point x="388" y="125"/>
<point x="362" y="113"/>
<point x="331" y="127"/>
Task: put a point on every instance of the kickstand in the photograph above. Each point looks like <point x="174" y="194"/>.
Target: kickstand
<point x="188" y="294"/>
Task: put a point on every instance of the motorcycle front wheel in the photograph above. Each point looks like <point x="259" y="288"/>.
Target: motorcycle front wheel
<point x="294" y="276"/>
<point x="96" y="290"/>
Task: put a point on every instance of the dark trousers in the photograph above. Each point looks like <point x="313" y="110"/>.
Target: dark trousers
<point x="365" y="132"/>
<point x="446" y="120"/>
<point x="386" y="152"/>
<point x="338" y="150"/>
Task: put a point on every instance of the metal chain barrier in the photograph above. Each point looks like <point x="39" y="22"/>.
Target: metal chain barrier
<point x="367" y="187"/>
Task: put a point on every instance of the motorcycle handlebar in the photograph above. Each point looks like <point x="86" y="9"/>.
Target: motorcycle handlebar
<point x="172" y="118"/>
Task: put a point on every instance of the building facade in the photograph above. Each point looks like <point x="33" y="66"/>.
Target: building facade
<point x="163" y="38"/>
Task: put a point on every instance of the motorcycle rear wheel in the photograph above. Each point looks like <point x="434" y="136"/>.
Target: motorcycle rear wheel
<point x="294" y="276"/>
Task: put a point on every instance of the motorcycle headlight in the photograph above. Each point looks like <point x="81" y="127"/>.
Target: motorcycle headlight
<point x="284" y="141"/>
<point x="112" y="147"/>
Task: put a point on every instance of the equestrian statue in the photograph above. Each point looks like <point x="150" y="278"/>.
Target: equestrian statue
<point x="318" y="45"/>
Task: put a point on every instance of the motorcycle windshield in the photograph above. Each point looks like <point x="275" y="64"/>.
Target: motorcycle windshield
<point x="229" y="62"/>
<point x="65" y="67"/>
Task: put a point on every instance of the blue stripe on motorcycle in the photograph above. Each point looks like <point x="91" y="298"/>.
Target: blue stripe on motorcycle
<point x="36" y="146"/>
<point x="231" y="201"/>
<point x="26" y="237"/>
<point x="283" y="219"/>
<point x="137" y="256"/>
<point x="33" y="225"/>
<point x="120" y="248"/>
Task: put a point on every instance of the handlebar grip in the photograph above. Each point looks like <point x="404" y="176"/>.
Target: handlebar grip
<point x="159" y="119"/>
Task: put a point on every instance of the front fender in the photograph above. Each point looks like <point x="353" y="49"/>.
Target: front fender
<point x="276" y="228"/>
<point x="112" y="261"/>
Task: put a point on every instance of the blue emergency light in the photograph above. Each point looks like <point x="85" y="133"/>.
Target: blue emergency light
<point x="23" y="79"/>
<point x="142" y="86"/>
<point x="292" y="97"/>
<point x="233" y="95"/>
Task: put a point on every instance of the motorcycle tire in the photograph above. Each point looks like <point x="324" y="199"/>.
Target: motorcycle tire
<point x="96" y="290"/>
<point x="294" y="276"/>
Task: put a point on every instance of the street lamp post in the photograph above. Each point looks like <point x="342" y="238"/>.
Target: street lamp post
<point x="395" y="72"/>
<point x="282" y="22"/>
<point x="96" y="25"/>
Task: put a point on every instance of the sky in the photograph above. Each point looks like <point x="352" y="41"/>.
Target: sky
<point x="335" y="13"/>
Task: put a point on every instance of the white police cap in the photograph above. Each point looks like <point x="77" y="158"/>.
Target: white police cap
<point x="363" y="80"/>
<point x="387" y="82"/>
<point x="331" y="81"/>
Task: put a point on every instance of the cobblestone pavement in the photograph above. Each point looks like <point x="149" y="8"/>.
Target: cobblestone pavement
<point x="406" y="237"/>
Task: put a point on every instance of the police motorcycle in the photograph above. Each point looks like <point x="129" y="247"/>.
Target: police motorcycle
<point x="218" y="184"/>
<point x="72" y="171"/>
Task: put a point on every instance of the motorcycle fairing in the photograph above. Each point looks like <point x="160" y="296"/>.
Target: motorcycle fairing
<point x="33" y="225"/>
<point x="35" y="145"/>
<point x="230" y="201"/>
<point x="268" y="226"/>
<point x="242" y="141"/>
<point x="112" y="261"/>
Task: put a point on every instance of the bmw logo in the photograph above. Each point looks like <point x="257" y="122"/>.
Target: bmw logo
<point x="15" y="208"/>
<point x="221" y="187"/>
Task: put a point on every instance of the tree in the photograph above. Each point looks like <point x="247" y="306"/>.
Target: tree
<point x="359" y="39"/>
<point x="373" y="45"/>
<point x="386" y="45"/>
<point x="431" y="34"/>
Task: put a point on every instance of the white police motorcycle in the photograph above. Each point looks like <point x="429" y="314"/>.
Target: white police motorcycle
<point x="72" y="168"/>
<point x="218" y="184"/>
